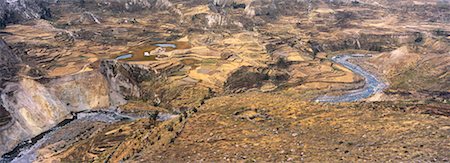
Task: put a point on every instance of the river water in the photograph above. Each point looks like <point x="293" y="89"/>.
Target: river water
<point x="27" y="150"/>
<point x="166" y="45"/>
<point x="372" y="86"/>
<point x="125" y="56"/>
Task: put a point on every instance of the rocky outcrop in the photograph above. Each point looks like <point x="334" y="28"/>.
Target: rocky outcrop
<point x="5" y="118"/>
<point x="273" y="8"/>
<point x="129" y="5"/>
<point x="429" y="13"/>
<point x="9" y="66"/>
<point x="30" y="107"/>
<point x="238" y="14"/>
<point x="366" y="41"/>
<point x="14" y="11"/>
<point x="123" y="79"/>
<point x="246" y="78"/>
<point x="9" y="62"/>
<point x="216" y="20"/>
<point x="87" y="18"/>
<point x="35" y="107"/>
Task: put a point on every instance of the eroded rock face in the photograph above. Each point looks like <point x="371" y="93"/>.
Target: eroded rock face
<point x="124" y="79"/>
<point x="80" y="92"/>
<point x="87" y="18"/>
<point x="8" y="62"/>
<point x="5" y="118"/>
<point x="248" y="77"/>
<point x="36" y="107"/>
<point x="370" y="42"/>
<point x="123" y="5"/>
<point x="14" y="11"/>
<point x="30" y="107"/>
<point x="251" y="12"/>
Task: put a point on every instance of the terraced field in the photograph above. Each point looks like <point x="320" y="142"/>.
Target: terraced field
<point x="224" y="81"/>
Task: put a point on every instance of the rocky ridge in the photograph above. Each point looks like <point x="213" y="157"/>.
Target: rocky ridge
<point x="15" y="11"/>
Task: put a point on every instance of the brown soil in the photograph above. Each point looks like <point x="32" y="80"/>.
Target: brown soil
<point x="275" y="128"/>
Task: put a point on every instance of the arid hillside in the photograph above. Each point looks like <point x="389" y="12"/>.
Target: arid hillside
<point x="224" y="80"/>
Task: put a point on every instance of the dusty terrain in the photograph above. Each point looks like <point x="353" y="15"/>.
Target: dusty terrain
<point x="267" y="127"/>
<point x="238" y="85"/>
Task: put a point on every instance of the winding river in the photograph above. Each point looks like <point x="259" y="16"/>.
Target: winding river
<point x="372" y="86"/>
<point x="26" y="151"/>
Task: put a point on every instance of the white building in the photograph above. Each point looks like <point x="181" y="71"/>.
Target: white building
<point x="147" y="54"/>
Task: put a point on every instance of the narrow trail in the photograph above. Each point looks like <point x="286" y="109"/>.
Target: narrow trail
<point x="372" y="86"/>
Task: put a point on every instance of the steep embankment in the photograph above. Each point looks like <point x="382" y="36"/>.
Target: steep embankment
<point x="9" y="63"/>
<point x="9" y="66"/>
<point x="14" y="11"/>
<point x="34" y="106"/>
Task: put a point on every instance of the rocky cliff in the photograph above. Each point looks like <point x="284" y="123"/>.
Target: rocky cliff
<point x="116" y="6"/>
<point x="36" y="107"/>
<point x="30" y="107"/>
<point x="123" y="79"/>
<point x="9" y="63"/>
<point x="9" y="66"/>
<point x="14" y="11"/>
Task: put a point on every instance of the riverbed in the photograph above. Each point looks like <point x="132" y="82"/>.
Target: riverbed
<point x="70" y="130"/>
<point x="372" y="86"/>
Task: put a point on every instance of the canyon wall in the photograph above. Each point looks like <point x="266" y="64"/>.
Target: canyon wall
<point x="30" y="106"/>
<point x="35" y="107"/>
<point x="123" y="79"/>
<point x="14" y="11"/>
